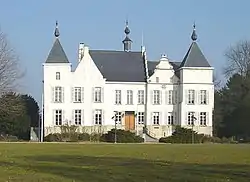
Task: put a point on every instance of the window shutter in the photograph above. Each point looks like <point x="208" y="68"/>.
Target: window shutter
<point x="199" y="96"/>
<point x="53" y="117"/>
<point x="62" y="94"/>
<point x="93" y="94"/>
<point x="166" y="96"/>
<point x="195" y="97"/>
<point x="82" y="94"/>
<point x="199" y="119"/>
<point x="186" y="118"/>
<point x="166" y="118"/>
<point x="73" y="116"/>
<point x="207" y="97"/>
<point x="207" y="118"/>
<point x="151" y="119"/>
<point x="63" y="117"/>
<point x="175" y="118"/>
<point x="102" y="94"/>
<point x="103" y="117"/>
<point x="152" y="96"/>
<point x="93" y="117"/>
<point x="186" y="96"/>
<point x="72" y="94"/>
<point x="82" y="116"/>
<point x="160" y="97"/>
<point x="160" y="118"/>
<point x="52" y="94"/>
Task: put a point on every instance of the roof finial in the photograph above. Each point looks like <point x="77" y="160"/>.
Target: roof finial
<point x="194" y="35"/>
<point x="127" y="31"/>
<point x="57" y="33"/>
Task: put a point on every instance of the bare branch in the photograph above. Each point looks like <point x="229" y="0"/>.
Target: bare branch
<point x="238" y="59"/>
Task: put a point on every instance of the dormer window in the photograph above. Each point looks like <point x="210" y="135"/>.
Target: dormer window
<point x="58" y="76"/>
<point x="157" y="79"/>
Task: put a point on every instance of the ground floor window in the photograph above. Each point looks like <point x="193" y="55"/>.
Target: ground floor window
<point x="118" y="117"/>
<point x="203" y="118"/>
<point x="156" y="118"/>
<point x="140" y="118"/>
<point x="170" y="118"/>
<point x="58" y="117"/>
<point x="98" y="117"/>
<point x="78" y="117"/>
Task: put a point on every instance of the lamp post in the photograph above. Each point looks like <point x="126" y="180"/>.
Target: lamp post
<point x="114" y="118"/>
<point x="193" y="120"/>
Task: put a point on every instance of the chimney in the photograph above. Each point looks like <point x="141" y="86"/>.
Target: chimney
<point x="80" y="51"/>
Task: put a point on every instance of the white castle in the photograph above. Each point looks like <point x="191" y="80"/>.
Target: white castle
<point x="123" y="89"/>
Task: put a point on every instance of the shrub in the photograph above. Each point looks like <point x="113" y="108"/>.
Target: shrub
<point x="83" y="137"/>
<point x="122" y="136"/>
<point x="53" y="137"/>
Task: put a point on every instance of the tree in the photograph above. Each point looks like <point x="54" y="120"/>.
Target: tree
<point x="238" y="59"/>
<point x="9" y="76"/>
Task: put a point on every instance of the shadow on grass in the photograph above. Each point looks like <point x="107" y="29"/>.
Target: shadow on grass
<point x="86" y="168"/>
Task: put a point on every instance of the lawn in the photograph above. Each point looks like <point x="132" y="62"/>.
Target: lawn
<point x="32" y="162"/>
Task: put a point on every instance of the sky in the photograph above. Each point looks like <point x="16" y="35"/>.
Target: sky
<point x="166" y="27"/>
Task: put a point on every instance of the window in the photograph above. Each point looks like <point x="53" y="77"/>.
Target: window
<point x="118" y="97"/>
<point x="58" y="94"/>
<point x="203" y="118"/>
<point x="170" y="97"/>
<point x="190" y="118"/>
<point x="170" y="118"/>
<point x="98" y="117"/>
<point x="140" y="118"/>
<point x="140" y="96"/>
<point x="97" y="94"/>
<point x="156" y="97"/>
<point x="78" y="116"/>
<point x="191" y="96"/>
<point x="156" y="118"/>
<point x="58" y="76"/>
<point x="118" y="117"/>
<point x="157" y="79"/>
<point x="58" y="117"/>
<point x="78" y="94"/>
<point x="129" y="97"/>
<point x="203" y="97"/>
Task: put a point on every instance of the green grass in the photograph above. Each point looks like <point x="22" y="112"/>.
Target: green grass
<point x="32" y="162"/>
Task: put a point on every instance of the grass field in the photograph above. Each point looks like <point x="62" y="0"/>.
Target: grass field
<point x="32" y="162"/>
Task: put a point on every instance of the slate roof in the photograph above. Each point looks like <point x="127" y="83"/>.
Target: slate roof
<point x="194" y="57"/>
<point x="119" y="65"/>
<point x="57" y="54"/>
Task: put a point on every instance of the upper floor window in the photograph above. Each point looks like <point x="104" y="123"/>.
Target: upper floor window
<point x="156" y="118"/>
<point x="58" y="117"/>
<point x="191" y="97"/>
<point x="203" y="97"/>
<point x="140" y="96"/>
<point x="98" y="117"/>
<point x="118" y="97"/>
<point x="78" y="94"/>
<point x="58" y="76"/>
<point x="157" y="79"/>
<point x="97" y="94"/>
<point x="78" y="115"/>
<point x="140" y="118"/>
<point x="58" y="94"/>
<point x="156" y="97"/>
<point x="129" y="97"/>
<point x="172" y="97"/>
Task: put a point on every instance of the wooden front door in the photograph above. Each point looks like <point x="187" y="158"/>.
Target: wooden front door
<point x="130" y="121"/>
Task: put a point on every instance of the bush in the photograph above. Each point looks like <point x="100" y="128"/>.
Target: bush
<point x="8" y="138"/>
<point x="83" y="137"/>
<point x="53" y="137"/>
<point x="122" y="136"/>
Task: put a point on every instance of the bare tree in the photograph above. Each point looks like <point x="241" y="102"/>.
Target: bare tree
<point x="10" y="73"/>
<point x="238" y="59"/>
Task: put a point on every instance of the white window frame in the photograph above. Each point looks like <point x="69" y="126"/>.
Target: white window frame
<point x="129" y="97"/>
<point x="118" y="117"/>
<point x="97" y="94"/>
<point x="203" y="118"/>
<point x="78" y="94"/>
<point x="58" y="76"/>
<point x="170" y="97"/>
<point x="140" y="118"/>
<point x="141" y="97"/>
<point x="78" y="117"/>
<point x="170" y="118"/>
<point x="156" y="97"/>
<point x="203" y="97"/>
<point x="118" y="97"/>
<point x="98" y="114"/>
<point x="58" y="117"/>
<point x="156" y="118"/>
<point x="190" y="118"/>
<point x="191" y="97"/>
<point x="58" y="94"/>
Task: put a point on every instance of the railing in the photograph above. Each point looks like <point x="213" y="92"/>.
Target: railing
<point x="150" y="133"/>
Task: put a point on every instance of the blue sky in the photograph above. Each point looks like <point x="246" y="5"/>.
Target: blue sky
<point x="166" y="25"/>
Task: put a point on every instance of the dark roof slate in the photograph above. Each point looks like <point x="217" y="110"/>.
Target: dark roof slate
<point x="194" y="57"/>
<point x="57" y="54"/>
<point x="119" y="65"/>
